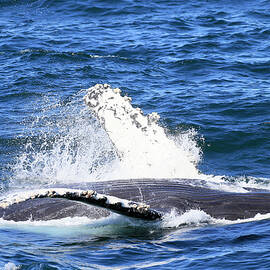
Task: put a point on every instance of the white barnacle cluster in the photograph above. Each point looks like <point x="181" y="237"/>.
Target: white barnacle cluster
<point x="87" y="194"/>
<point x="122" y="203"/>
<point x="16" y="198"/>
<point x="4" y="204"/>
<point x="31" y="195"/>
<point x="91" y="197"/>
<point x="140" y="207"/>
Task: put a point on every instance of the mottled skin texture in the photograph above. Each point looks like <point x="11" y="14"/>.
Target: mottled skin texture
<point x="162" y="195"/>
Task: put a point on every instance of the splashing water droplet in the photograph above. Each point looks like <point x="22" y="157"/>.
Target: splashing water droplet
<point x="66" y="142"/>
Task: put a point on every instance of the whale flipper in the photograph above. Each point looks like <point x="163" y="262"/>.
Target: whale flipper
<point x="89" y="197"/>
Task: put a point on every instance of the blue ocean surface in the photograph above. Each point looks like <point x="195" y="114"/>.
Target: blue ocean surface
<point x="203" y="66"/>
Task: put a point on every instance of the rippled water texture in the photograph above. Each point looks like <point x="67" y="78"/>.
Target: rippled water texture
<point x="202" y="65"/>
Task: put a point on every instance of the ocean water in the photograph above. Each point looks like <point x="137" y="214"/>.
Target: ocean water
<point x="203" y="66"/>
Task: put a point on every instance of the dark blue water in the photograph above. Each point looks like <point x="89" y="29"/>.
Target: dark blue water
<point x="202" y="65"/>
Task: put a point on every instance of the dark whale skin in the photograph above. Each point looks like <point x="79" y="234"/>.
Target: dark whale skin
<point x="162" y="195"/>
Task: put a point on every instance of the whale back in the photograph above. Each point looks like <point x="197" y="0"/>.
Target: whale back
<point x="162" y="195"/>
<point x="185" y="194"/>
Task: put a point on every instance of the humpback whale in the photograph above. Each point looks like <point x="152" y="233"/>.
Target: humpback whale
<point x="144" y="197"/>
<point x="148" y="199"/>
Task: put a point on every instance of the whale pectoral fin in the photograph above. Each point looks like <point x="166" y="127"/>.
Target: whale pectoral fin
<point x="90" y="197"/>
<point x="114" y="204"/>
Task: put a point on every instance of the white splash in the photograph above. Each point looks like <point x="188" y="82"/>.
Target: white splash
<point x="66" y="144"/>
<point x="190" y="218"/>
<point x="197" y="218"/>
<point x="11" y="266"/>
<point x="142" y="144"/>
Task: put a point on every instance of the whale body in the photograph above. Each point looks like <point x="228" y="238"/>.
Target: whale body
<point x="143" y="149"/>
<point x="160" y="195"/>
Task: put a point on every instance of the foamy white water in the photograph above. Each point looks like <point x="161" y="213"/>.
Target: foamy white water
<point x="72" y="226"/>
